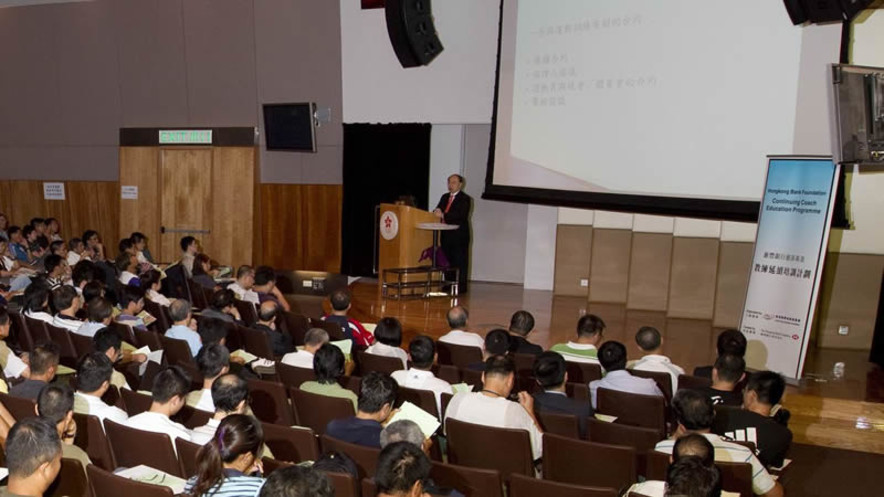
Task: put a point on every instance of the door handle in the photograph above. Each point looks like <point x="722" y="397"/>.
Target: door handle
<point x="164" y="230"/>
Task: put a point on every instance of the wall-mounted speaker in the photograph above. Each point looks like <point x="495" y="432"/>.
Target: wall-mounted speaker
<point x="412" y="32"/>
<point x="801" y="11"/>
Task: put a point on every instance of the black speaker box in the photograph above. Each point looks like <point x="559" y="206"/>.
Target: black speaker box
<point x="801" y="11"/>
<point x="412" y="32"/>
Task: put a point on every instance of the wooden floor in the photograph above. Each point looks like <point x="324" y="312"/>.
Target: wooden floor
<point x="844" y="413"/>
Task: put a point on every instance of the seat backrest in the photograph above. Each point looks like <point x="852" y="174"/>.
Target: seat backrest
<point x="352" y="383"/>
<point x="125" y="331"/>
<point x="583" y="372"/>
<point x="372" y="362"/>
<point x="445" y="400"/>
<point x="369" y="488"/>
<point x="656" y="465"/>
<point x="176" y="352"/>
<point x="566" y="460"/>
<point x="256" y="342"/>
<point x="633" y="409"/>
<point x="693" y="382"/>
<point x="458" y="355"/>
<point x="292" y="376"/>
<point x="148" y="338"/>
<point x="524" y="364"/>
<point x="447" y="372"/>
<point x="472" y="482"/>
<point x="247" y="311"/>
<point x="366" y="458"/>
<point x="19" y="408"/>
<point x="271" y="465"/>
<point x="523" y="486"/>
<point x="82" y="344"/>
<point x="334" y="330"/>
<point x="192" y="417"/>
<point x="468" y="446"/>
<point x="38" y="330"/>
<point x="425" y="399"/>
<point x="566" y="425"/>
<point x="296" y="325"/>
<point x="70" y="482"/>
<point x="61" y="337"/>
<point x="641" y="439"/>
<point x="577" y="391"/>
<point x="663" y="380"/>
<point x="197" y="295"/>
<point x="136" y="403"/>
<point x="107" y="484"/>
<point x="344" y="484"/>
<point x="158" y="311"/>
<point x="315" y="411"/>
<point x="132" y="447"/>
<point x="736" y="477"/>
<point x="291" y="444"/>
<point x="174" y="285"/>
<point x="187" y="458"/>
<point x="91" y="438"/>
<point x="471" y="377"/>
<point x="20" y="331"/>
<point x="269" y="402"/>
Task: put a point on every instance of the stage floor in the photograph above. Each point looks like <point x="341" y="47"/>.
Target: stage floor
<point x="844" y="413"/>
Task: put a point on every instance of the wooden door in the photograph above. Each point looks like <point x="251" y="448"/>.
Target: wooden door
<point x="186" y="182"/>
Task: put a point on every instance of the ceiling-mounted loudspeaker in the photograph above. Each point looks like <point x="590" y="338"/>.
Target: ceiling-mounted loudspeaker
<point x="801" y="11"/>
<point x="412" y="32"/>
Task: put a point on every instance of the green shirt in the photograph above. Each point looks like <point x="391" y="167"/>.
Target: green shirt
<point x="330" y="390"/>
<point x="577" y="352"/>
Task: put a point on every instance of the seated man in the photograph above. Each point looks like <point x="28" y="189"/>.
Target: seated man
<point x="184" y="327"/>
<point x="612" y="355"/>
<point x="169" y="391"/>
<point x="377" y="395"/>
<point x="280" y="342"/>
<point x="490" y="407"/>
<point x="589" y="335"/>
<point x="56" y="405"/>
<point x="328" y="364"/>
<point x="388" y="340"/>
<point x="265" y="287"/>
<point x="457" y="318"/>
<point x="57" y="271"/>
<point x="66" y="300"/>
<point x="242" y="287"/>
<point x="213" y="361"/>
<point x="109" y="343"/>
<point x="353" y="329"/>
<point x="93" y="381"/>
<point x="650" y="343"/>
<point x="131" y="305"/>
<point x="33" y="457"/>
<point x="692" y="446"/>
<point x="694" y="413"/>
<point x="303" y="358"/>
<point x="689" y="476"/>
<point x="229" y="395"/>
<point x="761" y="420"/>
<point x="297" y="481"/>
<point x="729" y="342"/>
<point x="405" y="430"/>
<point x="221" y="306"/>
<point x="497" y="342"/>
<point x="551" y="374"/>
<point x="422" y="353"/>
<point x="13" y="366"/>
<point x="189" y="248"/>
<point x="100" y="314"/>
<point x="76" y="249"/>
<point x="521" y="324"/>
<point x="728" y="371"/>
<point x="43" y="364"/>
<point x="402" y="471"/>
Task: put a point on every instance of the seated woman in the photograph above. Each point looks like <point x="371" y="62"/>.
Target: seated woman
<point x="227" y="464"/>
<point x="93" y="244"/>
<point x="150" y="282"/>
<point x="388" y="339"/>
<point x="202" y="272"/>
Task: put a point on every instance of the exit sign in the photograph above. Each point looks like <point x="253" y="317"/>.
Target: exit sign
<point x="185" y="137"/>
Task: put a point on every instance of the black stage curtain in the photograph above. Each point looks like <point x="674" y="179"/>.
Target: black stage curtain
<point x="381" y="163"/>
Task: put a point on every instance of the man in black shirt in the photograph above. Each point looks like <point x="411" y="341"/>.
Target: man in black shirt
<point x="761" y="420"/>
<point x="550" y="373"/>
<point x="521" y="325"/>
<point x="377" y="395"/>
<point x="729" y="369"/>
<point x="280" y="342"/>
<point x="729" y="342"/>
<point x="43" y="365"/>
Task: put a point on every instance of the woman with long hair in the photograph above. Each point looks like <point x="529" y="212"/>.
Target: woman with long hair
<point x="228" y="461"/>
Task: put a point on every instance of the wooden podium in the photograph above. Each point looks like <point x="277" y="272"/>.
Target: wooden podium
<point x="400" y="242"/>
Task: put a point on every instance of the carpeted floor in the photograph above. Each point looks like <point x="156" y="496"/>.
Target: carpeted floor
<point x="825" y="472"/>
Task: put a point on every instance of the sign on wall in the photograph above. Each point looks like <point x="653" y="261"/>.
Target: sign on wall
<point x="185" y="137"/>
<point x="790" y="249"/>
<point x="53" y="191"/>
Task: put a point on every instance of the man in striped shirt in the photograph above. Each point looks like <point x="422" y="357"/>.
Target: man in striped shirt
<point x="694" y="413"/>
<point x="589" y="336"/>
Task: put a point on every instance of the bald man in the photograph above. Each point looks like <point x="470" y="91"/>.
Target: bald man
<point x="280" y="342"/>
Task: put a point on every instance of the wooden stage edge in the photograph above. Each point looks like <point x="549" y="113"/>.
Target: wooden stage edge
<point x="846" y="413"/>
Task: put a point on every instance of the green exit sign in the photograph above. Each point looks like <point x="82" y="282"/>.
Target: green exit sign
<point x="185" y="137"/>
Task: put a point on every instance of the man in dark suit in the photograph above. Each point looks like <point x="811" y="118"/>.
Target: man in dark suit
<point x="454" y="208"/>
<point x="550" y="372"/>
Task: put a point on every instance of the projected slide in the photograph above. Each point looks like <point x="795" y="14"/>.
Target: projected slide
<point x="674" y="98"/>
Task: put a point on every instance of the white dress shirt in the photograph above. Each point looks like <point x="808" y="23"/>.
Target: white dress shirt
<point x="73" y="258"/>
<point x="381" y="349"/>
<point x="622" y="381"/>
<point x="159" y="423"/>
<point x="481" y="409"/>
<point x="423" y="380"/>
<point x="94" y="406"/>
<point x="460" y="337"/>
<point x="89" y="328"/>
<point x="158" y="298"/>
<point x="202" y="434"/>
<point x="243" y="294"/>
<point x="661" y="364"/>
<point x="205" y="403"/>
<point x="299" y="359"/>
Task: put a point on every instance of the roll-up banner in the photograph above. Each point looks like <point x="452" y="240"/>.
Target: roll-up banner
<point x="790" y="249"/>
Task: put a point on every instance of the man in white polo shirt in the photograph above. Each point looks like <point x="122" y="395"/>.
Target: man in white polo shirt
<point x="230" y="395"/>
<point x="422" y="353"/>
<point x="694" y="413"/>
<point x="169" y="392"/>
<point x="457" y="320"/>
<point x="303" y="358"/>
<point x="93" y="380"/>
<point x="650" y="343"/>
<point x="213" y="361"/>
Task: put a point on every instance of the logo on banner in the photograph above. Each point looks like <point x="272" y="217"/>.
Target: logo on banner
<point x="389" y="225"/>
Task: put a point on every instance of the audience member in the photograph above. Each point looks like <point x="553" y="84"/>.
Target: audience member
<point x="280" y="342"/>
<point x="352" y="329"/>
<point x="37" y="301"/>
<point x="100" y="313"/>
<point x="497" y="342"/>
<point x="694" y="413"/>
<point x="169" y="391"/>
<point x="521" y="324"/>
<point x="139" y="243"/>
<point x="457" y="318"/>
<point x="183" y="327"/>
<point x="551" y="374"/>
<point x="13" y="366"/>
<point x="422" y="353"/>
<point x="189" y="248"/>
<point x="230" y="395"/>
<point x="689" y="477"/>
<point x="57" y="271"/>
<point x="377" y="395"/>
<point x="94" y="372"/>
<point x="388" y="340"/>
<point x="405" y="430"/>
<point x="612" y="356"/>
<point x="43" y="364"/>
<point x="590" y="329"/>
<point x="402" y="471"/>
<point x="297" y="481"/>
<point x="131" y="305"/>
<point x="93" y="244"/>
<point x="76" y="251"/>
<point x="650" y="343"/>
<point x="728" y="371"/>
<point x="242" y="287"/>
<point x="202" y="272"/>
<point x="215" y="331"/>
<point x="82" y="273"/>
<point x="33" y="457"/>
<point x="227" y="461"/>
<point x="67" y="302"/>
<point x="127" y="265"/>
<point x="729" y="342"/>
<point x="56" y="405"/>
<point x="761" y="420"/>
<point x="490" y="407"/>
<point x="265" y="287"/>
<point x="108" y="342"/>
<point x="328" y="365"/>
<point x="213" y="361"/>
<point x="303" y="358"/>
<point x="222" y="306"/>
<point x="150" y="282"/>
<point x="693" y="446"/>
